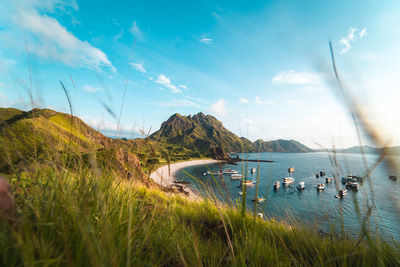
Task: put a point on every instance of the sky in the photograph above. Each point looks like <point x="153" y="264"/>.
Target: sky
<point x="261" y="67"/>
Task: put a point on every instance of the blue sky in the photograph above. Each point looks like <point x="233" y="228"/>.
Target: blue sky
<point x="261" y="67"/>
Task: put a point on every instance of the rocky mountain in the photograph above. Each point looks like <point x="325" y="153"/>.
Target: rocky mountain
<point x="208" y="136"/>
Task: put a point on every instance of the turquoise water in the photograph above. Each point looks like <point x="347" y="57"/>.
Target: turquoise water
<point x="321" y="209"/>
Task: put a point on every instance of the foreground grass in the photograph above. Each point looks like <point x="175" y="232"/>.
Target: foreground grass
<point x="80" y="220"/>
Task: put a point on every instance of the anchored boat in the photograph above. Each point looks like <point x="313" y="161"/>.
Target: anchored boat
<point x="301" y="186"/>
<point x="277" y="184"/>
<point x="230" y="171"/>
<point x="320" y="187"/>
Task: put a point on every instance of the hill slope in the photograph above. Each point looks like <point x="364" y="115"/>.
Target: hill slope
<point x="43" y="136"/>
<point x="205" y="134"/>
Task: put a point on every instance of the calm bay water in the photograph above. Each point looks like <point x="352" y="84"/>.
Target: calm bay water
<point x="309" y="206"/>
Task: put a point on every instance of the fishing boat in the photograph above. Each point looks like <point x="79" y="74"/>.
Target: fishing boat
<point x="320" y="187"/>
<point x="355" y="186"/>
<point x="277" y="184"/>
<point x="344" y="180"/>
<point x="301" y="186"/>
<point x="342" y="193"/>
<point x="253" y="170"/>
<point x="259" y="199"/>
<point x="328" y="180"/>
<point x="322" y="173"/>
<point x="288" y="181"/>
<point x="317" y="175"/>
<point x="230" y="171"/>
<point x="236" y="176"/>
<point x="248" y="182"/>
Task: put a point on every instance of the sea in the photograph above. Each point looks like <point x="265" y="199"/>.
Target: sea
<point x="376" y="205"/>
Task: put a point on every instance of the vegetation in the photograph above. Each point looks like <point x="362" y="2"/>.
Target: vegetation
<point x="204" y="133"/>
<point x="82" y="199"/>
<point x="84" y="219"/>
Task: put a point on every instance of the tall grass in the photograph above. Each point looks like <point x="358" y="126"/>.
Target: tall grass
<point x="84" y="219"/>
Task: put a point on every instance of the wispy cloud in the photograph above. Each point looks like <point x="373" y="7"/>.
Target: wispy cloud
<point x="183" y="86"/>
<point x="118" y="35"/>
<point x="370" y="57"/>
<point x="206" y="40"/>
<point x="179" y="103"/>
<point x="261" y="102"/>
<point x="292" y="77"/>
<point x="51" y="40"/>
<point x="91" y="89"/>
<point x="165" y="81"/>
<point x="219" y="108"/>
<point x="243" y="100"/>
<point x="350" y="38"/>
<point x="136" y="32"/>
<point x="138" y="66"/>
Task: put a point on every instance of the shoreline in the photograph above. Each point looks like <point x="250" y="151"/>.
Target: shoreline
<point x="165" y="175"/>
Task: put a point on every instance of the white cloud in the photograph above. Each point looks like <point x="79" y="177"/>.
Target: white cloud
<point x="138" y="66"/>
<point x="151" y="78"/>
<point x="260" y="102"/>
<point x="205" y="40"/>
<point x="248" y="121"/>
<point x="363" y="33"/>
<point x="219" y="107"/>
<point x="370" y="57"/>
<point x="91" y="89"/>
<point x="118" y="35"/>
<point x="350" y="38"/>
<point x="51" y="40"/>
<point x="179" y="103"/>
<point x="243" y="100"/>
<point x="292" y="77"/>
<point x="134" y="29"/>
<point x="165" y="81"/>
<point x="183" y="86"/>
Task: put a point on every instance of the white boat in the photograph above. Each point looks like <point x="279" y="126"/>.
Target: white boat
<point x="277" y="184"/>
<point x="259" y="199"/>
<point x="253" y="170"/>
<point x="240" y="193"/>
<point x="215" y="173"/>
<point x="301" y="186"/>
<point x="288" y="181"/>
<point x="248" y="182"/>
<point x="230" y="171"/>
<point x="236" y="176"/>
<point x="342" y="193"/>
<point x="328" y="180"/>
<point x="320" y="187"/>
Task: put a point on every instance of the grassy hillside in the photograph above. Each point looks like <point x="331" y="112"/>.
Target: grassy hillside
<point x="204" y="134"/>
<point x="43" y="137"/>
<point x="83" y="219"/>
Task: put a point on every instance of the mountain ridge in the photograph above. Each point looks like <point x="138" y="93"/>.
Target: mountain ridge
<point x="205" y="133"/>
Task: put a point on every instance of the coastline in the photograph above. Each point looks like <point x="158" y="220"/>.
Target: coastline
<point x="165" y="175"/>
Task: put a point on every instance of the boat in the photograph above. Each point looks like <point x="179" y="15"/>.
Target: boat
<point x="320" y="187"/>
<point x="253" y="170"/>
<point x="317" y="175"/>
<point x="236" y="176"/>
<point x="328" y="180"/>
<point x="259" y="199"/>
<point x="288" y="181"/>
<point x="322" y="173"/>
<point x="342" y="193"/>
<point x="344" y="180"/>
<point x="277" y="184"/>
<point x="291" y="169"/>
<point x="240" y="193"/>
<point x="230" y="171"/>
<point x="215" y="173"/>
<point x="392" y="177"/>
<point x="355" y="186"/>
<point x="301" y="186"/>
<point x="260" y="215"/>
<point x="248" y="182"/>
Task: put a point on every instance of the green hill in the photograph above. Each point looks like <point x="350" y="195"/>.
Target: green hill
<point x="43" y="136"/>
<point x="205" y="134"/>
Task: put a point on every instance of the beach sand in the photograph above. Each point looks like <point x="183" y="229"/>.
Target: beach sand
<point x="165" y="175"/>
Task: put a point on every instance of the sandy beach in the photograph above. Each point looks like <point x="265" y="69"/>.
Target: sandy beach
<point x="165" y="175"/>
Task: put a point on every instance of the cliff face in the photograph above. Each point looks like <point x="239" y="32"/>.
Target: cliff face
<point x="208" y="136"/>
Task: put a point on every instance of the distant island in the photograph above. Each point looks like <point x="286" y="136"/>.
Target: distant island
<point x="393" y="150"/>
